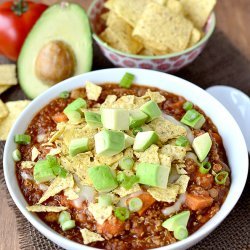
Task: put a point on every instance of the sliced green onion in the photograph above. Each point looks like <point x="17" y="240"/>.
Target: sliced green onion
<point x="120" y="177"/>
<point x="22" y="139"/>
<point x="126" y="163"/>
<point x="127" y="80"/>
<point x="182" y="141"/>
<point x="191" y="115"/>
<point x="221" y="177"/>
<point x="205" y="167"/>
<point x="64" y="94"/>
<point x="122" y="213"/>
<point x="135" y="204"/>
<point x="16" y="155"/>
<point x="76" y="105"/>
<point x="129" y="181"/>
<point x="188" y="105"/>
<point x="105" y="200"/>
<point x="64" y="216"/>
<point x="73" y="116"/>
<point x="67" y="225"/>
<point x="136" y="130"/>
<point x="181" y="233"/>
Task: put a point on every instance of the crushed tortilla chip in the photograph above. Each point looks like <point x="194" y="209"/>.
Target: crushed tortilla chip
<point x="107" y="160"/>
<point x="56" y="135"/>
<point x="195" y="37"/>
<point x="122" y="192"/>
<point x="3" y="110"/>
<point x="150" y="155"/>
<point x="54" y="151"/>
<point x="174" y="152"/>
<point x="42" y="208"/>
<point x="129" y="152"/>
<point x="166" y="130"/>
<point x="89" y="237"/>
<point x="15" y="108"/>
<point x="99" y="212"/>
<point x="8" y="74"/>
<point x="175" y="6"/>
<point x="57" y="185"/>
<point x="34" y="153"/>
<point x="93" y="91"/>
<point x="167" y="195"/>
<point x="165" y="160"/>
<point x="27" y="164"/>
<point x="71" y="193"/>
<point x="180" y="168"/>
<point x="155" y="96"/>
<point x="183" y="183"/>
<point x="110" y="99"/>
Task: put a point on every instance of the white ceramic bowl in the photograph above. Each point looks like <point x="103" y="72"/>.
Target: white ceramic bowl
<point x="232" y="138"/>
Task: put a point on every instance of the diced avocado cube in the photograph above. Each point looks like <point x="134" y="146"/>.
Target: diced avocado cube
<point x="67" y="225"/>
<point x="76" y="105"/>
<point x="202" y="145"/>
<point x="93" y="119"/>
<point x="129" y="141"/>
<point x="78" y="146"/>
<point x="137" y="118"/>
<point x="109" y="143"/>
<point x="43" y="171"/>
<point x="177" y="220"/>
<point x="116" y="119"/>
<point x="193" y="119"/>
<point x="144" y="140"/>
<point x="152" y="110"/>
<point x="73" y="116"/>
<point x="153" y="174"/>
<point x="102" y="178"/>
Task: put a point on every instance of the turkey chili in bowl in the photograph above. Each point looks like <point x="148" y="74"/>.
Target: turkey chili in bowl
<point x="121" y="166"/>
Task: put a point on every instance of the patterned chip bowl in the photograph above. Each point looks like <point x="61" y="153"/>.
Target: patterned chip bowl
<point x="166" y="63"/>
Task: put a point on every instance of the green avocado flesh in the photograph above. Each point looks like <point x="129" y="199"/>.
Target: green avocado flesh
<point x="66" y="23"/>
<point x="173" y="222"/>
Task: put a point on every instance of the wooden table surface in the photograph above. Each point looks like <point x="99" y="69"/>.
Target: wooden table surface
<point x="232" y="17"/>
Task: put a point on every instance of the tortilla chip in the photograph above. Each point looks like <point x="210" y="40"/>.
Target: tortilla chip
<point x="42" y="208"/>
<point x="56" y="135"/>
<point x="147" y="51"/>
<point x="89" y="237"/>
<point x="174" y="152"/>
<point x="34" y="153"/>
<point x="195" y="37"/>
<point x="27" y="164"/>
<point x="180" y="168"/>
<point x="167" y="195"/>
<point x="15" y="108"/>
<point x="158" y="27"/>
<point x="109" y="4"/>
<point x="104" y="16"/>
<point x="119" y="36"/>
<point x="107" y="160"/>
<point x="3" y="110"/>
<point x="155" y="96"/>
<point x="198" y="10"/>
<point x="175" y="6"/>
<point x="122" y="192"/>
<point x="4" y="88"/>
<point x="129" y="152"/>
<point x="54" y="151"/>
<point x="110" y="99"/>
<point x="8" y="74"/>
<point x="99" y="212"/>
<point x="93" y="91"/>
<point x="71" y="193"/>
<point x="183" y="183"/>
<point x="150" y="155"/>
<point x="165" y="160"/>
<point x="57" y="185"/>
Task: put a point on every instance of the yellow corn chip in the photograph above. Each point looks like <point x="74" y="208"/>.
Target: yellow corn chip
<point x="27" y="164"/>
<point x="180" y="168"/>
<point x="41" y="208"/>
<point x="3" y="110"/>
<point x="150" y="155"/>
<point x="89" y="237"/>
<point x="34" y="153"/>
<point x="8" y="74"/>
<point x="175" y="6"/>
<point x="155" y="96"/>
<point x="99" y="212"/>
<point x="4" y="88"/>
<point x="198" y="10"/>
<point x="107" y="160"/>
<point x="195" y="37"/>
<point x="183" y="183"/>
<point x="163" y="29"/>
<point x="57" y="185"/>
<point x="122" y="192"/>
<point x="93" y="91"/>
<point x="15" y="108"/>
<point x="71" y="193"/>
<point x="174" y="152"/>
<point x="110" y="99"/>
<point x="109" y="4"/>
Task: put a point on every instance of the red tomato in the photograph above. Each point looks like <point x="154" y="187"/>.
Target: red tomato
<point x="16" y="20"/>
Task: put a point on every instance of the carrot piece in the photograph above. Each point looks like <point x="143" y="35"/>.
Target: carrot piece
<point x="113" y="226"/>
<point x="217" y="138"/>
<point x="60" y="117"/>
<point x="147" y="201"/>
<point x="197" y="202"/>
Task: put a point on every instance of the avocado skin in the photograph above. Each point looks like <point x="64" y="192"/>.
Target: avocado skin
<point x="69" y="24"/>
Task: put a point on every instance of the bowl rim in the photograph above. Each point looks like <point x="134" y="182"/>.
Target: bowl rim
<point x="50" y="94"/>
<point x="204" y="39"/>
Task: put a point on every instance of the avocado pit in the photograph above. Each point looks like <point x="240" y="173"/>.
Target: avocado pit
<point x="55" y="62"/>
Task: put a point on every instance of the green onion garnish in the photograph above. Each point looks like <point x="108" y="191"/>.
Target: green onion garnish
<point x="22" y="139"/>
<point x="135" y="204"/>
<point x="181" y="233"/>
<point x="127" y="80"/>
<point x="105" y="200"/>
<point x="122" y="213"/>
<point x="76" y="105"/>
<point x="129" y="181"/>
<point x="67" y="225"/>
<point x="191" y="115"/>
<point x="126" y="163"/>
<point x="187" y="106"/>
<point x="64" y="95"/>
<point x="221" y="177"/>
<point x="55" y="166"/>
<point x="120" y="177"/>
<point x="64" y="216"/>
<point x="136" y="130"/>
<point x="16" y="155"/>
<point x="182" y="141"/>
<point x="205" y="167"/>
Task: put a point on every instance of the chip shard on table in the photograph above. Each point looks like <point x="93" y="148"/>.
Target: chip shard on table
<point x="8" y="74"/>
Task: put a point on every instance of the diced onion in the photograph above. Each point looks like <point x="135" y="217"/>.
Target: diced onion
<point x="123" y="201"/>
<point x="26" y="176"/>
<point x="43" y="187"/>
<point x="191" y="155"/>
<point x="176" y="207"/>
<point x="41" y="137"/>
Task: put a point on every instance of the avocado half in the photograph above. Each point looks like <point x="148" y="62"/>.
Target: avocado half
<point x="59" y="46"/>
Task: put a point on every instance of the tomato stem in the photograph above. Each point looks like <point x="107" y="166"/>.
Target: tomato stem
<point x="19" y="7"/>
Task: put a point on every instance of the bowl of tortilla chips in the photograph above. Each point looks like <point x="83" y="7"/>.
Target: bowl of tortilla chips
<point x="163" y="35"/>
